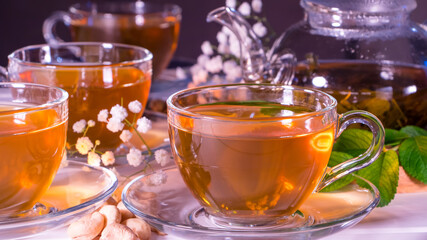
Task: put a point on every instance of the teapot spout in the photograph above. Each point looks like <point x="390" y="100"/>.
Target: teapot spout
<point x="252" y="56"/>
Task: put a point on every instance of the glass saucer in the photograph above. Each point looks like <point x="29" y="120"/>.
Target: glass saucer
<point x="170" y="208"/>
<point x="77" y="190"/>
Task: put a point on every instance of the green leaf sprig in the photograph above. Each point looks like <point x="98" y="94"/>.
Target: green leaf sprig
<point x="406" y="147"/>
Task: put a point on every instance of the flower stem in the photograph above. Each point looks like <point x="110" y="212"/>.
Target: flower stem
<point x="140" y="136"/>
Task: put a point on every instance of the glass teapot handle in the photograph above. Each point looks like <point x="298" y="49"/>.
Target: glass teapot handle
<point x="49" y="32"/>
<point x="282" y="68"/>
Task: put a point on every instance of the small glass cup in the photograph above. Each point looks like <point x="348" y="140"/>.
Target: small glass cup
<point x="251" y="154"/>
<point x="33" y="128"/>
<point x="154" y="26"/>
<point x="97" y="76"/>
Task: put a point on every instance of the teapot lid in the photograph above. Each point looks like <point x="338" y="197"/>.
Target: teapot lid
<point x="365" y="6"/>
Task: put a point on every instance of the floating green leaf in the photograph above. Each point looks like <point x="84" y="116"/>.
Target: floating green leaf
<point x="414" y="131"/>
<point x="394" y="137"/>
<point x="384" y="174"/>
<point x="413" y="157"/>
<point x="353" y="139"/>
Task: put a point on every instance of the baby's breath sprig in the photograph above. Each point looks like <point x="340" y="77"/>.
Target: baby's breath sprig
<point x="222" y="61"/>
<point x="116" y="119"/>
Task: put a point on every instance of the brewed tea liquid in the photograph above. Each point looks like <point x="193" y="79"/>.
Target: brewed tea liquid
<point x="260" y="170"/>
<point x="92" y="90"/>
<point x="157" y="33"/>
<point x="31" y="147"/>
<point x="396" y="94"/>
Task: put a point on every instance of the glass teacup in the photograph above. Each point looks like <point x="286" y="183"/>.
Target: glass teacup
<point x="251" y="154"/>
<point x="154" y="26"/>
<point x="33" y="127"/>
<point x="97" y="76"/>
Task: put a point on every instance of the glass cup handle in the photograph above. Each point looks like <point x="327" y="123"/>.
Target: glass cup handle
<point x="49" y="32"/>
<point x="3" y="74"/>
<point x="363" y="160"/>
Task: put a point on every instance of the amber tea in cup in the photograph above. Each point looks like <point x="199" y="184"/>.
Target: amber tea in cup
<point x="97" y="76"/>
<point x="33" y="127"/>
<point x="153" y="26"/>
<point x="252" y="154"/>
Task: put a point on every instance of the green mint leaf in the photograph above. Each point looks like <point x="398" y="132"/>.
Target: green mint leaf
<point x="413" y="157"/>
<point x="394" y="137"/>
<point x="338" y="157"/>
<point x="353" y="139"/>
<point x="335" y="159"/>
<point x="298" y="212"/>
<point x="384" y="174"/>
<point x="414" y="131"/>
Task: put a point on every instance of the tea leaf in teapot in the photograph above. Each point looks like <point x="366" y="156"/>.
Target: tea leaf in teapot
<point x="384" y="174"/>
<point x="377" y="106"/>
<point x="413" y="156"/>
<point x="335" y="159"/>
<point x="353" y="139"/>
<point x="413" y="131"/>
<point x="394" y="137"/>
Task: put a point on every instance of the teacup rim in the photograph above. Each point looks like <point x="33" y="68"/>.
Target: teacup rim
<point x="186" y="113"/>
<point x="38" y="107"/>
<point x="148" y="55"/>
<point x="76" y="8"/>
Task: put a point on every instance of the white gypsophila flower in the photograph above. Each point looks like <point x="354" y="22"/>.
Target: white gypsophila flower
<point x="259" y="29"/>
<point x="244" y="9"/>
<point x="115" y="124"/>
<point x="234" y="46"/>
<point x="180" y="73"/>
<point x="125" y="136"/>
<point x="143" y="125"/>
<point x="103" y="115"/>
<point x="157" y="178"/>
<point x="162" y="157"/>
<point x="230" y="3"/>
<point x="135" y="106"/>
<point x="202" y="60"/>
<point x="214" y="65"/>
<point x="226" y="31"/>
<point x="207" y="48"/>
<point x="196" y="67"/>
<point x="216" y="79"/>
<point x="234" y="74"/>
<point x="91" y="123"/>
<point x="229" y="66"/>
<point x="79" y="126"/>
<point x="223" y="48"/>
<point x="93" y="159"/>
<point x="84" y="145"/>
<point x="118" y="112"/>
<point x="256" y="6"/>
<point x="135" y="157"/>
<point x="232" y="70"/>
<point x="221" y="37"/>
<point x="200" y="77"/>
<point x="108" y="158"/>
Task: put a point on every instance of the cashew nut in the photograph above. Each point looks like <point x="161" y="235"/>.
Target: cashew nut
<point x="111" y="214"/>
<point x="118" y="231"/>
<point x="139" y="227"/>
<point x="87" y="227"/>
<point x="124" y="211"/>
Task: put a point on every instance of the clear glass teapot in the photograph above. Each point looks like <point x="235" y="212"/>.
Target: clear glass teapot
<point x="368" y="54"/>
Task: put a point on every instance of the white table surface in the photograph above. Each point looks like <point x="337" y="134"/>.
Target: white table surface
<point x="405" y="218"/>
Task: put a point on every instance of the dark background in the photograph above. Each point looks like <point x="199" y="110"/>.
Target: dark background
<point x="21" y="21"/>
